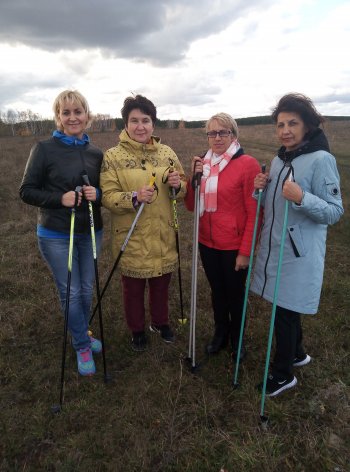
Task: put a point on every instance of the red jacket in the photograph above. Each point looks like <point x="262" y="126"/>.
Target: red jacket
<point x="231" y="226"/>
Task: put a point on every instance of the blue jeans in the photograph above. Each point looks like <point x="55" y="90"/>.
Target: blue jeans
<point x="55" y="253"/>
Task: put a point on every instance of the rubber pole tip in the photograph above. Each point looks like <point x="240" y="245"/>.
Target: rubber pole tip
<point x="56" y="409"/>
<point x="235" y="386"/>
<point x="108" y="378"/>
<point x="264" y="421"/>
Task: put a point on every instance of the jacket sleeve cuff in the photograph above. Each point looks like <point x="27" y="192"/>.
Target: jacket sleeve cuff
<point x="135" y="202"/>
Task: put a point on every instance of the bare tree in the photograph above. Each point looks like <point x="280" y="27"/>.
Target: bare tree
<point x="102" y="122"/>
<point x="11" y="118"/>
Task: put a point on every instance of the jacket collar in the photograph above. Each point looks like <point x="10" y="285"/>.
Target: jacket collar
<point x="70" y="140"/>
<point x="125" y="139"/>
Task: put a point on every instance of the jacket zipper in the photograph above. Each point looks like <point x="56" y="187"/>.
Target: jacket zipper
<point x="271" y="228"/>
<point x="85" y="218"/>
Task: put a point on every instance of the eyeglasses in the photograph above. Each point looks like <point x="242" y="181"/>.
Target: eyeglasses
<point x="223" y="133"/>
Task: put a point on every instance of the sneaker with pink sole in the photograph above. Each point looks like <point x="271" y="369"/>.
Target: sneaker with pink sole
<point x="86" y="364"/>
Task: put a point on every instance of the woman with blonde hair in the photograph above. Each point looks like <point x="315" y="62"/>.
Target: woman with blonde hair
<point x="53" y="182"/>
<point x="226" y="224"/>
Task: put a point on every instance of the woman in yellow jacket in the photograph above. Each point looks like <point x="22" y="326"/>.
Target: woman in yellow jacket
<point x="151" y="254"/>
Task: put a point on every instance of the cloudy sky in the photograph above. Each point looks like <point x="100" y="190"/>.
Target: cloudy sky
<point x="193" y="58"/>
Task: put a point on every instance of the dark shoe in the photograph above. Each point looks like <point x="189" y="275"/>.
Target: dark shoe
<point x="275" y="387"/>
<point x="165" y="332"/>
<point x="300" y="361"/>
<point x="218" y="342"/>
<point x="139" y="341"/>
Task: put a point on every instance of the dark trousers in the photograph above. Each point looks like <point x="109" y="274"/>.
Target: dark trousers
<point x="289" y="337"/>
<point x="227" y="288"/>
<point x="134" y="304"/>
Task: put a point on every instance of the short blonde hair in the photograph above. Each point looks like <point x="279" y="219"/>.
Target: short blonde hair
<point x="70" y="96"/>
<point x="225" y="120"/>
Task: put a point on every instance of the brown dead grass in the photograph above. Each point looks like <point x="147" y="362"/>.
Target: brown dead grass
<point x="157" y="415"/>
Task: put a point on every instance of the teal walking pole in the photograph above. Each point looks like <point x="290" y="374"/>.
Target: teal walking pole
<point x="247" y="286"/>
<point x="264" y="418"/>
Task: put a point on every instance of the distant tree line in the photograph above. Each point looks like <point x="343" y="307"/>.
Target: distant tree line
<point x="28" y="123"/>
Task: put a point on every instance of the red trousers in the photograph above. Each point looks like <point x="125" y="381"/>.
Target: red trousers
<point x="134" y="301"/>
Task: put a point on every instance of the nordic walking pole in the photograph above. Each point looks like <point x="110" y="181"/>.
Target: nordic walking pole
<point x="183" y="320"/>
<point x="263" y="418"/>
<point x="122" y="249"/>
<point x="58" y="408"/>
<point x="192" y="340"/>
<point x="247" y="286"/>
<point x="97" y="283"/>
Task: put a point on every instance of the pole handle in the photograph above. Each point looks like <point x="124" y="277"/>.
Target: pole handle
<point x="152" y="180"/>
<point x="263" y="170"/>
<point x="85" y="178"/>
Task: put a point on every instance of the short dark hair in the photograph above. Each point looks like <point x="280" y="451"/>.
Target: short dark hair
<point x="303" y="106"/>
<point x="141" y="103"/>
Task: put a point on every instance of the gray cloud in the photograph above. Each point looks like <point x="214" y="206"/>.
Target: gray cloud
<point x="157" y="31"/>
<point x="333" y="98"/>
<point x="14" y="88"/>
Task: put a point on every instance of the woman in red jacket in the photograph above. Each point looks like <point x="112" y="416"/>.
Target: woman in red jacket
<point x="226" y="224"/>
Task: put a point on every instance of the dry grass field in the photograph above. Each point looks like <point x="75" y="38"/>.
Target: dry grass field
<point x="157" y="416"/>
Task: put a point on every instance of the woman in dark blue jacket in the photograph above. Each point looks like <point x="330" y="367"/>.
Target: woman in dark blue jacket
<point x="53" y="173"/>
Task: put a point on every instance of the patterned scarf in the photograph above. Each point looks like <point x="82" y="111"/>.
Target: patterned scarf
<point x="212" y="166"/>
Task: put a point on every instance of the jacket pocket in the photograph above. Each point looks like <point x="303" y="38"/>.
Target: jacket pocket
<point x="296" y="240"/>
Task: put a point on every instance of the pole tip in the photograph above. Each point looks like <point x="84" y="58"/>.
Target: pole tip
<point x="108" y="378"/>
<point x="188" y="360"/>
<point x="264" y="421"/>
<point x="194" y="368"/>
<point x="56" y="409"/>
<point x="235" y="385"/>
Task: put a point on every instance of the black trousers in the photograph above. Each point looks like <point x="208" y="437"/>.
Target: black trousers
<point x="227" y="288"/>
<point x="289" y="337"/>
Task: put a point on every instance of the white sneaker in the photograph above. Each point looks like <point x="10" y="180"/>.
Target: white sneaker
<point x="300" y="361"/>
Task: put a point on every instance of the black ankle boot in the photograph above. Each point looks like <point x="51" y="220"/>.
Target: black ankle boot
<point x="219" y="341"/>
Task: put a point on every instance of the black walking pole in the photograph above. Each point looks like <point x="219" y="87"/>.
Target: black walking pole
<point x="192" y="340"/>
<point x="181" y="320"/>
<point x="122" y="249"/>
<point x="94" y="252"/>
<point x="58" y="408"/>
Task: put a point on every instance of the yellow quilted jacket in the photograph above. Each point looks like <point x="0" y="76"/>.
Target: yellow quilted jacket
<point x="151" y="250"/>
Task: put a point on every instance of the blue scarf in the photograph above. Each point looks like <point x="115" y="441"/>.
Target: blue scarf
<point x="71" y="140"/>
